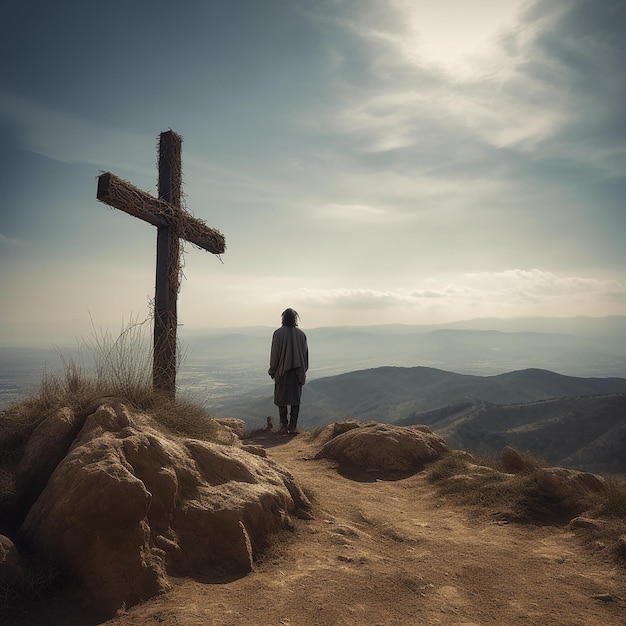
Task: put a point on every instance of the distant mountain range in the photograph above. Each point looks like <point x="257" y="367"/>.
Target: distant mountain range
<point x="581" y="346"/>
<point x="573" y="421"/>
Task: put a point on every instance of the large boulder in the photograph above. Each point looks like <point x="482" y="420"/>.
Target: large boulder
<point x="128" y="505"/>
<point x="383" y="448"/>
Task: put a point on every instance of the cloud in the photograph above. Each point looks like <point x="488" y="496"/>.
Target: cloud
<point x="549" y="83"/>
<point x="483" y="113"/>
<point x="509" y="108"/>
<point x="10" y="241"/>
<point x="356" y="213"/>
<point x="487" y="159"/>
<point x="538" y="284"/>
<point x="572" y="53"/>
<point x="458" y="38"/>
<point x="354" y="298"/>
<point x="11" y="248"/>
<point x="533" y="292"/>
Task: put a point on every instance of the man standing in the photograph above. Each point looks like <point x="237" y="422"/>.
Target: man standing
<point x="289" y="362"/>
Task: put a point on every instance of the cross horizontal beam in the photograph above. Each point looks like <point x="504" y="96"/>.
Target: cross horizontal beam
<point x="120" y="194"/>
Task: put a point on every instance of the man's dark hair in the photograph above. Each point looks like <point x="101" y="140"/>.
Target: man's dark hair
<point x="290" y="317"/>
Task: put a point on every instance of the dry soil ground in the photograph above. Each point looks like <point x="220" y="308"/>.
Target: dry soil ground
<point x="391" y="552"/>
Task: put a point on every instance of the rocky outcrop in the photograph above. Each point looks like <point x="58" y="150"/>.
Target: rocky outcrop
<point x="127" y="505"/>
<point x="383" y="447"/>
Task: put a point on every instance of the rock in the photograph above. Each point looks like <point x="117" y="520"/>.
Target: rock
<point x="10" y="562"/>
<point x="252" y="449"/>
<point x="338" y="428"/>
<point x="129" y="505"/>
<point x="46" y="447"/>
<point x="604" y="597"/>
<point x="225" y="435"/>
<point x="621" y="546"/>
<point x="95" y="403"/>
<point x="514" y="462"/>
<point x="465" y="456"/>
<point x="586" y="523"/>
<point x="385" y="447"/>
<point x="237" y="426"/>
<point x="592" y="482"/>
<point x="568" y="486"/>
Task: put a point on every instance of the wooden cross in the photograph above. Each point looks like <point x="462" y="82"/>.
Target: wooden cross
<point x="173" y="224"/>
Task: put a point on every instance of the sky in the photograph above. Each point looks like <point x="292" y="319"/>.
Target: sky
<point x="368" y="161"/>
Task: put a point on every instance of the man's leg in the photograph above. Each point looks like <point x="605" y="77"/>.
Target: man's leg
<point x="293" y="422"/>
<point x="282" y="412"/>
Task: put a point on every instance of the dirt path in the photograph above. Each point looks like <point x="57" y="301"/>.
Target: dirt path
<point x="382" y="553"/>
<point x="396" y="553"/>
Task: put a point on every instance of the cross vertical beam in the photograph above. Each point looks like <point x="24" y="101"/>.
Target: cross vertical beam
<point x="167" y="267"/>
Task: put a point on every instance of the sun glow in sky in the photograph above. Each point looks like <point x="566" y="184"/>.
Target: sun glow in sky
<point x="369" y="161"/>
<point x="461" y="38"/>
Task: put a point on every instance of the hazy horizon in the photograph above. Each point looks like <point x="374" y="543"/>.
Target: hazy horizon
<point x="227" y="362"/>
<point x="66" y="337"/>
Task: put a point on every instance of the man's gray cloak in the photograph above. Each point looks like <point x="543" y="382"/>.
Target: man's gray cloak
<point x="289" y="362"/>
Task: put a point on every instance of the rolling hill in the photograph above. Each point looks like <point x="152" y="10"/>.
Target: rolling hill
<point x="566" y="420"/>
<point x="394" y="394"/>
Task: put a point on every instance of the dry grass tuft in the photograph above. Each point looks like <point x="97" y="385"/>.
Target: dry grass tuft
<point x="614" y="502"/>
<point x="118" y="367"/>
<point x="532" y="496"/>
<point x="447" y="467"/>
<point x="107" y="367"/>
<point x="459" y="477"/>
<point x="521" y="496"/>
<point x="185" y="418"/>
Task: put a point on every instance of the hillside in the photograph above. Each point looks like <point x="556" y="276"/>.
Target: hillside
<point x="389" y="552"/>
<point x="394" y="393"/>
<point x="586" y="433"/>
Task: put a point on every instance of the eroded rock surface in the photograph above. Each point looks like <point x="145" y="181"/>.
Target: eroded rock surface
<point x="127" y="505"/>
<point x="45" y="449"/>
